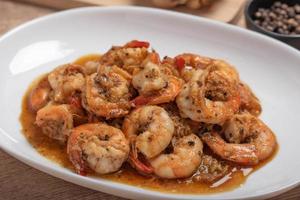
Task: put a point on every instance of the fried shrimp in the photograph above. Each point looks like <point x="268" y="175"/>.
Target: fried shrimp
<point x="149" y="78"/>
<point x="128" y="57"/>
<point x="98" y="147"/>
<point x="211" y="96"/>
<point x="252" y="140"/>
<point x="182" y="162"/>
<point x="149" y="130"/>
<point x="130" y="106"/>
<point x="56" y="121"/>
<point x="107" y="92"/>
<point x="192" y="60"/>
<point x="40" y="95"/>
<point x="187" y="63"/>
<point x="66" y="80"/>
<point x="154" y="86"/>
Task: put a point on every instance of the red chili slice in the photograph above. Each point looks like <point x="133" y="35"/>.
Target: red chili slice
<point x="137" y="44"/>
<point x="180" y="63"/>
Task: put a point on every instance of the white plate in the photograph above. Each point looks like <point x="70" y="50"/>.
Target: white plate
<point x="271" y="68"/>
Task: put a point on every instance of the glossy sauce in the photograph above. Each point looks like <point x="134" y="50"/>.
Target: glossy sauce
<point x="57" y="153"/>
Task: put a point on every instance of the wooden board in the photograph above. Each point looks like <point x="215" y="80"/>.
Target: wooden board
<point x="221" y="10"/>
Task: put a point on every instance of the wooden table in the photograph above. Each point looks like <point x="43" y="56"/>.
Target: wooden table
<point x="19" y="181"/>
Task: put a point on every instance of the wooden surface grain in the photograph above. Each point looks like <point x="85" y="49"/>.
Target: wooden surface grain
<point x="221" y="10"/>
<point x="19" y="181"/>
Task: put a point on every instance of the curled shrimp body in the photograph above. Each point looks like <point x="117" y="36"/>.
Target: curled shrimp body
<point x="149" y="78"/>
<point x="211" y="96"/>
<point x="56" y="121"/>
<point x="249" y="102"/>
<point x="40" y="95"/>
<point x="149" y="130"/>
<point x="182" y="162"/>
<point x="128" y="56"/>
<point x="154" y="86"/>
<point x="188" y="63"/>
<point x="98" y="147"/>
<point x="253" y="141"/>
<point x="107" y="92"/>
<point x="192" y="60"/>
<point x="66" y="80"/>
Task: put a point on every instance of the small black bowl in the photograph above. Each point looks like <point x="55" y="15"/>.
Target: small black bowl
<point x="253" y="5"/>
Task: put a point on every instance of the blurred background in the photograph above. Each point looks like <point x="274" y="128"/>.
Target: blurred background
<point x="15" y="12"/>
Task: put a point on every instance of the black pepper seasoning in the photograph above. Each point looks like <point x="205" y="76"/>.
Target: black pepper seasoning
<point x="279" y="18"/>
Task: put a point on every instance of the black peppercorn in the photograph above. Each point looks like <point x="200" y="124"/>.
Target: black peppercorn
<point x="279" y="18"/>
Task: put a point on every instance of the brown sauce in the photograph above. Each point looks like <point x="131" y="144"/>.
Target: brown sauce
<point x="84" y="59"/>
<point x="52" y="150"/>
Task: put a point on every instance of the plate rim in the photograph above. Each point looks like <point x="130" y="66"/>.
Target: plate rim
<point x="71" y="177"/>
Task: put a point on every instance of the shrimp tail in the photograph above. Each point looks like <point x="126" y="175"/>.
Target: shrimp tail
<point x="78" y="163"/>
<point x="145" y="168"/>
<point x="139" y="165"/>
<point x="140" y="101"/>
<point x="82" y="172"/>
<point x="244" y="154"/>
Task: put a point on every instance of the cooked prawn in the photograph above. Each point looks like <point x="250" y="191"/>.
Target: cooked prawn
<point x="154" y="86"/>
<point x="149" y="130"/>
<point x="40" y="95"/>
<point x="211" y="96"/>
<point x="149" y="78"/>
<point x="98" y="147"/>
<point x="128" y="56"/>
<point x="256" y="141"/>
<point x="66" y="80"/>
<point x="187" y="63"/>
<point x="182" y="162"/>
<point x="56" y="121"/>
<point x="192" y="60"/>
<point x="107" y="92"/>
<point x="249" y="102"/>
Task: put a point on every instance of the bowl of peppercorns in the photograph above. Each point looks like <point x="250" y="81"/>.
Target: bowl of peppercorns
<point x="279" y="19"/>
